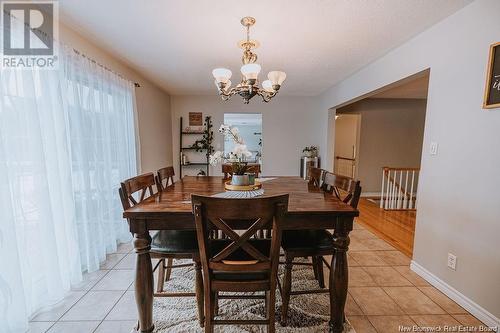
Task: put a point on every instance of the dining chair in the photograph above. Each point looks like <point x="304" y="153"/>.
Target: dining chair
<point x="164" y="175"/>
<point x="316" y="176"/>
<point x="241" y="262"/>
<point x="314" y="243"/>
<point x="166" y="244"/>
<point x="227" y="170"/>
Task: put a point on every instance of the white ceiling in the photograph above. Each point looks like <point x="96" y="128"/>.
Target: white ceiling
<point x="177" y="43"/>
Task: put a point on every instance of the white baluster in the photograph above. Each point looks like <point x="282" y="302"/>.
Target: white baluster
<point x="382" y="191"/>
<point x="405" y="202"/>
<point x="388" y="187"/>
<point x="411" y="193"/>
<point x="393" y="194"/>
<point x="400" y="192"/>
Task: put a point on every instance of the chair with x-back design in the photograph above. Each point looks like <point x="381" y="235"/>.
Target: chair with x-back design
<point x="240" y="262"/>
<point x="166" y="244"/>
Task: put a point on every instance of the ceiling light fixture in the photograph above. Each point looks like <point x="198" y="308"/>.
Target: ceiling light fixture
<point x="249" y="85"/>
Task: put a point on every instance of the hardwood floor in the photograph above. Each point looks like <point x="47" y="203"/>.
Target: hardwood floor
<point x="395" y="227"/>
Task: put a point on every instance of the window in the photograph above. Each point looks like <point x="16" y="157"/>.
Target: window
<point x="250" y="128"/>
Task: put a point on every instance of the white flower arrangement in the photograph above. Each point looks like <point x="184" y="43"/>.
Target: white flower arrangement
<point x="240" y="150"/>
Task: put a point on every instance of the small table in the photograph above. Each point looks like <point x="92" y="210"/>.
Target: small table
<point x="308" y="208"/>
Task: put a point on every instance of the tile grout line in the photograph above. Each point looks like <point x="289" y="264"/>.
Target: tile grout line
<point x="85" y="293"/>
<point x="107" y="314"/>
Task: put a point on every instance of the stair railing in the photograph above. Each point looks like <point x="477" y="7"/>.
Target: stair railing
<point x="399" y="188"/>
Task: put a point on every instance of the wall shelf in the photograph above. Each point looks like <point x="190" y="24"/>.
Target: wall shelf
<point x="194" y="163"/>
<point x="205" y="152"/>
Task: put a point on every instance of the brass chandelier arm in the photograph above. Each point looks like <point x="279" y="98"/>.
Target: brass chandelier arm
<point x="266" y="95"/>
<point x="247" y="92"/>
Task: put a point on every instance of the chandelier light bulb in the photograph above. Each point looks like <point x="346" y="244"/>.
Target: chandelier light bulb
<point x="222" y="75"/>
<point x="268" y="86"/>
<point x="276" y="77"/>
<point x="250" y="71"/>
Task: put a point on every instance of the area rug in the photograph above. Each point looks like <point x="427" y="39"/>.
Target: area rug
<point x="307" y="313"/>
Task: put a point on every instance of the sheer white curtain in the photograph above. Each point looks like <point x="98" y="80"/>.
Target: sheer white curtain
<point x="66" y="140"/>
<point x="100" y="118"/>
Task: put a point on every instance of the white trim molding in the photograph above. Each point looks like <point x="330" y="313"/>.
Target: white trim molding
<point x="475" y="309"/>
<point x="370" y="194"/>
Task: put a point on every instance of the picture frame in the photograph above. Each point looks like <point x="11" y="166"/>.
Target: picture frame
<point x="195" y="119"/>
<point x="492" y="88"/>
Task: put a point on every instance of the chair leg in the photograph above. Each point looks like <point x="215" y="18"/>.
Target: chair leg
<point x="168" y="272"/>
<point x="271" y="310"/>
<point x="287" y="287"/>
<point x="209" y="327"/>
<point x="199" y="293"/>
<point x="161" y="276"/>
<point x="216" y="303"/>
<point x="315" y="267"/>
<point x="321" y="277"/>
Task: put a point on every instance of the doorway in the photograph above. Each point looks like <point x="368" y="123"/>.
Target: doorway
<point x="378" y="140"/>
<point x="347" y="132"/>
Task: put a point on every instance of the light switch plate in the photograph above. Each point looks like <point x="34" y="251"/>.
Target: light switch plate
<point x="434" y="148"/>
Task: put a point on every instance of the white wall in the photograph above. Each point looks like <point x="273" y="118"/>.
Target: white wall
<point x="391" y="134"/>
<point x="288" y="125"/>
<point x="153" y="104"/>
<point x="458" y="208"/>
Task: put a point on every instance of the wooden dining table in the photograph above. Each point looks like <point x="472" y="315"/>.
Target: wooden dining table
<point x="308" y="208"/>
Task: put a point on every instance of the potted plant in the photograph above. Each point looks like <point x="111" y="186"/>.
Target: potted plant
<point x="238" y="156"/>
<point x="311" y="151"/>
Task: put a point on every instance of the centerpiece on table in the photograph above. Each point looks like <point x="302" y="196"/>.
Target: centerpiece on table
<point x="237" y="157"/>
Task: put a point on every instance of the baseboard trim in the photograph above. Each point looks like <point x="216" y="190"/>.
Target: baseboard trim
<point x="476" y="310"/>
<point x="370" y="194"/>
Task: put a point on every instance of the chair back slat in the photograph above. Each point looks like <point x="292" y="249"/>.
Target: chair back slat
<point x="247" y="216"/>
<point x="335" y="184"/>
<point x="227" y="170"/>
<point x="142" y="184"/>
<point x="316" y="177"/>
<point x="164" y="175"/>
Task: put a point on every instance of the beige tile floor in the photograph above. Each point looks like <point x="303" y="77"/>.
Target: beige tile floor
<point x="383" y="294"/>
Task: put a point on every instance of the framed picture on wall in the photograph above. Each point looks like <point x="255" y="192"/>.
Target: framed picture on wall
<point x="195" y="119"/>
<point x="492" y="90"/>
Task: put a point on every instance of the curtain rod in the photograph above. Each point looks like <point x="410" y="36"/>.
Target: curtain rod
<point x="136" y="84"/>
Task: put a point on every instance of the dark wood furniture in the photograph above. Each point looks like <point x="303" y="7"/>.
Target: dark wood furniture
<point x="316" y="243"/>
<point x="240" y="262"/>
<point x="316" y="176"/>
<point x="183" y="149"/>
<point x="165" y="244"/>
<point x="308" y="208"/>
<point x="227" y="169"/>
<point x="164" y="177"/>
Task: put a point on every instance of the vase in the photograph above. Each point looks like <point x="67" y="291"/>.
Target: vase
<point x="251" y="178"/>
<point x="240" y="180"/>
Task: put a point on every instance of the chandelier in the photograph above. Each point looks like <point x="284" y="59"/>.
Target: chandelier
<point x="249" y="85"/>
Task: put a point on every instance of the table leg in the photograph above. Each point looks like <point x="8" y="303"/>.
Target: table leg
<point x="339" y="277"/>
<point x="144" y="282"/>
